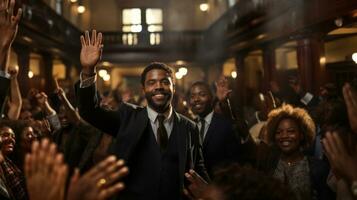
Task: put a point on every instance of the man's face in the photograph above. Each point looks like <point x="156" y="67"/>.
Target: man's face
<point x="158" y="89"/>
<point x="200" y="100"/>
<point x="8" y="140"/>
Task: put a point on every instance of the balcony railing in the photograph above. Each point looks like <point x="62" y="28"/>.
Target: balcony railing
<point x="167" y="39"/>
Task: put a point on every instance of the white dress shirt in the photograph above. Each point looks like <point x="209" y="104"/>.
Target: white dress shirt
<point x="168" y="122"/>
<point x="208" y="120"/>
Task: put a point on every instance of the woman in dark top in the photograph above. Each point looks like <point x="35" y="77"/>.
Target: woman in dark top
<point x="290" y="132"/>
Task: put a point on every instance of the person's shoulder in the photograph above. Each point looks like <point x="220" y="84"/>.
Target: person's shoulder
<point x="126" y="108"/>
<point x="185" y="120"/>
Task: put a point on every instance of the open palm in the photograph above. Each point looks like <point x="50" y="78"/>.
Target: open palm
<point x="91" y="50"/>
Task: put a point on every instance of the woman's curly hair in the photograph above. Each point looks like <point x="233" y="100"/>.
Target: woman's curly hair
<point x="303" y="120"/>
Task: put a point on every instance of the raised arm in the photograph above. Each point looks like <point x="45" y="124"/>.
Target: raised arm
<point x="86" y="91"/>
<point x="15" y="102"/>
<point x="8" y="30"/>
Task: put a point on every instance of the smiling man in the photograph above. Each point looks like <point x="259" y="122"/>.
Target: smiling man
<point x="158" y="144"/>
<point x="219" y="144"/>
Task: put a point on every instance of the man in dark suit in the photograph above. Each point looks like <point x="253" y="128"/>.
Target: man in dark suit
<point x="219" y="139"/>
<point x="158" y="144"/>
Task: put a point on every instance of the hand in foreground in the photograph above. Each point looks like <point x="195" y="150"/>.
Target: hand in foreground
<point x="8" y="22"/>
<point x="45" y="172"/>
<point x="342" y="163"/>
<point x="351" y="103"/>
<point x="91" y="51"/>
<point x="222" y="88"/>
<point x="101" y="182"/>
<point x="197" y="185"/>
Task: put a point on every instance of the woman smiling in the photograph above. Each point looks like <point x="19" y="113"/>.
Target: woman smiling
<point x="290" y="132"/>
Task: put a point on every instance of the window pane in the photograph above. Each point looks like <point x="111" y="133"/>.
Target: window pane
<point x="155" y="28"/>
<point x="153" y="16"/>
<point x="136" y="28"/>
<point x="132" y="16"/>
<point x="126" y="29"/>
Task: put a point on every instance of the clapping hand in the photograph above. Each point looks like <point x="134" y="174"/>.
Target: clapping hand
<point x="344" y="164"/>
<point x="101" y="182"/>
<point x="197" y="185"/>
<point x="45" y="172"/>
<point x="351" y="102"/>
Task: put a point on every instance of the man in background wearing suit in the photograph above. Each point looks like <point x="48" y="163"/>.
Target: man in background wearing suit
<point x="158" y="144"/>
<point x="219" y="142"/>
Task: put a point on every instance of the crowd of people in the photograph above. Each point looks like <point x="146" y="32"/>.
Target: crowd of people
<point x="300" y="146"/>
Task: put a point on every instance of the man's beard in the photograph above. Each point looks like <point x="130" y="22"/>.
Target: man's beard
<point x="159" y="108"/>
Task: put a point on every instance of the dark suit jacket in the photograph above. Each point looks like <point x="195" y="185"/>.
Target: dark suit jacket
<point x="220" y="145"/>
<point x="4" y="90"/>
<point x="127" y="125"/>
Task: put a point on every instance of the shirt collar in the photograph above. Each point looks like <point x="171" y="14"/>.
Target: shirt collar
<point x="208" y="117"/>
<point x="152" y="114"/>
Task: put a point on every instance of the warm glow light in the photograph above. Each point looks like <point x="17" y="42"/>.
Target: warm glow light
<point x="30" y="74"/>
<point x="183" y="71"/>
<point x="73" y="1"/>
<point x="234" y="74"/>
<point x="81" y="9"/>
<point x="354" y="57"/>
<point x="204" y="7"/>
<point x="323" y="60"/>
<point x="178" y="75"/>
<point x="102" y="73"/>
<point x="106" y="77"/>
<point x="180" y="62"/>
<point x="106" y="64"/>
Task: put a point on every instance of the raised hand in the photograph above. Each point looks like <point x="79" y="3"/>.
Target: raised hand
<point x="71" y="113"/>
<point x="101" y="182"/>
<point x="222" y="88"/>
<point x="91" y="51"/>
<point x="342" y="163"/>
<point x="197" y="187"/>
<point x="8" y="22"/>
<point x="13" y="71"/>
<point x="351" y="103"/>
<point x="45" y="172"/>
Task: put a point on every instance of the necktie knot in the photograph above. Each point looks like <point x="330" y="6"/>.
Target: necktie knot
<point x="160" y="118"/>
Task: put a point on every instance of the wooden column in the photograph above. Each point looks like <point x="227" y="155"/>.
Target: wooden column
<point x="311" y="62"/>
<point x="269" y="66"/>
<point x="241" y="79"/>
<point x="23" y="60"/>
<point x="46" y="72"/>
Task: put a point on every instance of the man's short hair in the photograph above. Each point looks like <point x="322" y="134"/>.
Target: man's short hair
<point x="156" y="65"/>
<point x="203" y="84"/>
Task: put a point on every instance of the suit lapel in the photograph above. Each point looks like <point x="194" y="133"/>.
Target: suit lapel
<point x="210" y="131"/>
<point x="127" y="142"/>
<point x="182" y="145"/>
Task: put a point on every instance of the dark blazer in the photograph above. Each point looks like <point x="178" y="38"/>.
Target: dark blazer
<point x="4" y="90"/>
<point x="127" y="125"/>
<point x="220" y="146"/>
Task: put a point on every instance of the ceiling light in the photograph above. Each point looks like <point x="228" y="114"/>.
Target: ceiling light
<point x="204" y="7"/>
<point x="81" y="9"/>
<point x="183" y="71"/>
<point x="102" y="73"/>
<point x="30" y="74"/>
<point x="73" y="1"/>
<point x="178" y="75"/>
<point x="234" y="74"/>
<point x="106" y="77"/>
<point x="354" y="57"/>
